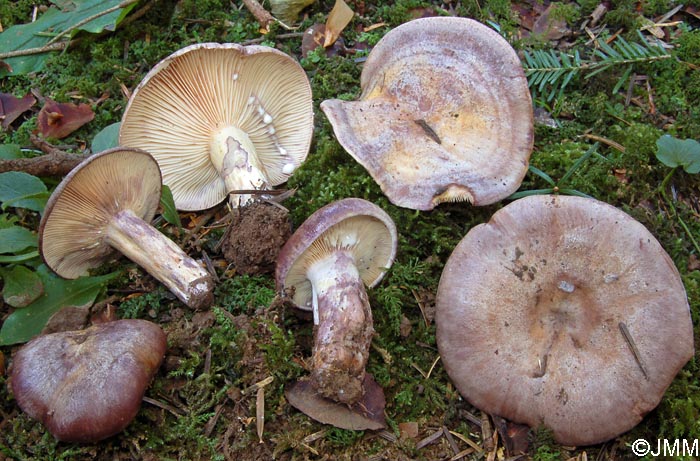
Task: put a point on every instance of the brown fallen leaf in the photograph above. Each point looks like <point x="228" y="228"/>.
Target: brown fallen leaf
<point x="12" y="107"/>
<point x="339" y="17"/>
<point x="58" y="120"/>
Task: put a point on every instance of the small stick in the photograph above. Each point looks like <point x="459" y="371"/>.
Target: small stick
<point x="175" y="411"/>
<point x="258" y="385"/>
<point x="260" y="13"/>
<point x="450" y="440"/>
<point x="429" y="439"/>
<point x="260" y="413"/>
<point x="487" y="432"/>
<point x="428" y="130"/>
<point x="633" y="347"/>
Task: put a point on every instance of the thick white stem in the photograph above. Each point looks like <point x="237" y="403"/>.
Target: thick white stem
<point x="344" y="333"/>
<point x="160" y="257"/>
<point x="233" y="154"/>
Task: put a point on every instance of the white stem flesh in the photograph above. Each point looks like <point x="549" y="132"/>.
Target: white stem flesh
<point x="233" y="154"/>
<point x="160" y="257"/>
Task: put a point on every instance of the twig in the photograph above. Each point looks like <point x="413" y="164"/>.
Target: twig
<point x="54" y="162"/>
<point x="278" y="36"/>
<point x="175" y="411"/>
<point x="38" y="50"/>
<point x="430" y="439"/>
<point x="260" y="13"/>
<point x="633" y="347"/>
<point x="450" y="440"/>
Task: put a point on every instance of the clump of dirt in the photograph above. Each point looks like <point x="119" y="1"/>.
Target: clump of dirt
<point x="255" y="236"/>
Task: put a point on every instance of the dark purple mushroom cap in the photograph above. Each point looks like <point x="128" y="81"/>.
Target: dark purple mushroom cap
<point x="563" y="312"/>
<point x="351" y="223"/>
<point x="87" y="385"/>
<point x="445" y="114"/>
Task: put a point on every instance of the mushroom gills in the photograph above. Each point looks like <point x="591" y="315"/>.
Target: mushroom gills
<point x="344" y="332"/>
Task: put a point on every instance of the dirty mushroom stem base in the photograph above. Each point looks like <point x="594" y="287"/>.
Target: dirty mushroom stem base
<point x="344" y="332"/>
<point x="160" y="257"/>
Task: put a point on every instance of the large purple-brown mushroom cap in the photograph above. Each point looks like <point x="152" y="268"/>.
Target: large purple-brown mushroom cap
<point x="445" y="114"/>
<point x="87" y="385"/>
<point x="563" y="312"/>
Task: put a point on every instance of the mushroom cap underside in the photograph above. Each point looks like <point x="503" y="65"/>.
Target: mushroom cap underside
<point x="71" y="232"/>
<point x="179" y="107"/>
<point x="353" y="225"/>
<point x="540" y="310"/>
<point x="87" y="385"/>
<point x="445" y="114"/>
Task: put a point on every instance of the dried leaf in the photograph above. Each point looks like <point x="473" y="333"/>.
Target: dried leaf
<point x="339" y="17"/>
<point x="260" y="413"/>
<point x="12" y="107"/>
<point x="312" y="39"/>
<point x="58" y="120"/>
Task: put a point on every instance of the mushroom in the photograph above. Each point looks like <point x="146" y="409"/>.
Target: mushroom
<point x="563" y="312"/>
<point x="87" y="385"/>
<point x="445" y="115"/>
<point x="324" y="268"/>
<point x="221" y="118"/>
<point x="105" y="204"/>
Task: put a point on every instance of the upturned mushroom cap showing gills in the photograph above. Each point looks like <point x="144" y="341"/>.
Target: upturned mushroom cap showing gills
<point x="445" y="115"/>
<point x="220" y="118"/>
<point x="104" y="206"/>
<point x="563" y="312"/>
<point x="351" y="224"/>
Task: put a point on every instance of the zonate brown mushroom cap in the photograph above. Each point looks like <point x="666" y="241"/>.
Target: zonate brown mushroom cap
<point x="325" y="266"/>
<point x="445" y="115"/>
<point x="87" y="385"/>
<point x="105" y="204"/>
<point x="220" y="118"/>
<point x="563" y="312"/>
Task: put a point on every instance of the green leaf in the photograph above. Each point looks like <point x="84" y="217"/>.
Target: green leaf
<point x="107" y="138"/>
<point x="10" y="151"/>
<point x="169" y="211"/>
<point x="87" y="15"/>
<point x="674" y="152"/>
<point x="25" y="323"/>
<point x="22" y="190"/>
<point x="541" y="174"/>
<point x="22" y="286"/>
<point x="18" y="258"/>
<point x="15" y="239"/>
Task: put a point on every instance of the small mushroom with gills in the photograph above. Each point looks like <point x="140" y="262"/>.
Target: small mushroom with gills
<point x="221" y="119"/>
<point x="324" y="267"/>
<point x="104" y="206"/>
<point x="87" y="385"/>
<point x="445" y="115"/>
<point x="563" y="312"/>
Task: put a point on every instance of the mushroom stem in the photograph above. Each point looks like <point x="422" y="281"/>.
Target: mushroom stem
<point x="160" y="257"/>
<point x="233" y="154"/>
<point x="344" y="332"/>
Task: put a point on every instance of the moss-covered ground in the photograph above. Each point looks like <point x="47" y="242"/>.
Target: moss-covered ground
<point x="206" y="410"/>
